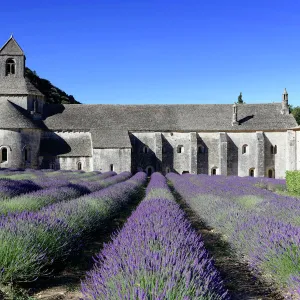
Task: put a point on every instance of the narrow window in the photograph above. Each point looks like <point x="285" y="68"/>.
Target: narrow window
<point x="251" y="172"/>
<point x="167" y="170"/>
<point x="35" y="106"/>
<point x="201" y="149"/>
<point x="244" y="149"/>
<point x="163" y="149"/>
<point x="273" y="149"/>
<point x="79" y="166"/>
<point x="146" y="149"/>
<point x="10" y="68"/>
<point x="4" y="155"/>
<point x="214" y="171"/>
<point x="271" y="173"/>
<point x="25" y="154"/>
<point x="111" y="167"/>
<point x="149" y="170"/>
<point x="180" y="149"/>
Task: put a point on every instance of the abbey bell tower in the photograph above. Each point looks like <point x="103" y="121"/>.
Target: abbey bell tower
<point x="12" y="60"/>
<point x="14" y="86"/>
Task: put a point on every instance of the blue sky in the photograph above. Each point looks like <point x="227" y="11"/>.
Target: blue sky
<point x="161" y="51"/>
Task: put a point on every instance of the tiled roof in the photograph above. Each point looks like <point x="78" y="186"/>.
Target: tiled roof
<point x="66" y="144"/>
<point x="110" y="138"/>
<point x="11" y="47"/>
<point x="202" y="117"/>
<point x="13" y="117"/>
<point x="18" y="86"/>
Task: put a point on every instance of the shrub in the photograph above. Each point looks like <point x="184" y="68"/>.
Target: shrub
<point x="293" y="181"/>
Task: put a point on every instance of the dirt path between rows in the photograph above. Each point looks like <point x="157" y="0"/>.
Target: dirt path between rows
<point x="239" y="280"/>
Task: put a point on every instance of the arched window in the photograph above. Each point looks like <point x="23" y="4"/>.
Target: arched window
<point x="3" y="154"/>
<point x="251" y="172"/>
<point x="79" y="166"/>
<point x="185" y="172"/>
<point x="111" y="167"/>
<point x="244" y="149"/>
<point x="10" y="67"/>
<point x="180" y="149"/>
<point x="201" y="149"/>
<point x="146" y="149"/>
<point x="167" y="170"/>
<point x="35" y="106"/>
<point x="214" y="171"/>
<point x="273" y="149"/>
<point x="271" y="173"/>
<point x="149" y="170"/>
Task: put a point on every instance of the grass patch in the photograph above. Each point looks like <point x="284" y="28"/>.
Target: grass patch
<point x="249" y="201"/>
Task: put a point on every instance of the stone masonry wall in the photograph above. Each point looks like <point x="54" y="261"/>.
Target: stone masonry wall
<point x="16" y="141"/>
<point x="276" y="161"/>
<point x="71" y="163"/>
<point x="119" y="158"/>
<point x="239" y="163"/>
<point x="211" y="157"/>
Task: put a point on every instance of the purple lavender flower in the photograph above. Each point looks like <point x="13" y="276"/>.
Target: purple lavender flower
<point x="157" y="255"/>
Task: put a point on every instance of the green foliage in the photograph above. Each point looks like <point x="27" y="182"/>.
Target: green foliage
<point x="240" y="99"/>
<point x="293" y="182"/>
<point x="52" y="93"/>
<point x="296" y="113"/>
<point x="249" y="201"/>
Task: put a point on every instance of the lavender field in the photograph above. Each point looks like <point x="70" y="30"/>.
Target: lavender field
<point x="261" y="227"/>
<point x="49" y="217"/>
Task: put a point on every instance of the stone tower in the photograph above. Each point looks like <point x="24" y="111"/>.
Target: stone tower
<point x="21" y="106"/>
<point x="14" y="86"/>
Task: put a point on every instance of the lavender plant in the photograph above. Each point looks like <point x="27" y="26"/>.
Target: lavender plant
<point x="31" y="241"/>
<point x="12" y="188"/>
<point x="157" y="255"/>
<point x="261" y="226"/>
<point x="57" y="191"/>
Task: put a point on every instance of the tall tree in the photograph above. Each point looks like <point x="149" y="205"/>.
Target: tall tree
<point x="240" y="99"/>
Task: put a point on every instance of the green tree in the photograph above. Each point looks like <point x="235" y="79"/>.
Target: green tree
<point x="296" y="113"/>
<point x="240" y="99"/>
<point x="52" y="93"/>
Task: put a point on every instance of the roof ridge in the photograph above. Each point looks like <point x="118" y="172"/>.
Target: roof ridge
<point x="174" y="104"/>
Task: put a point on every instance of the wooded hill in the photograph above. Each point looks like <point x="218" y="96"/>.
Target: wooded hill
<point x="52" y="93"/>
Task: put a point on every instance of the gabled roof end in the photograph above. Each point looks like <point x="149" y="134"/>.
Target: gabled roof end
<point x="12" y="46"/>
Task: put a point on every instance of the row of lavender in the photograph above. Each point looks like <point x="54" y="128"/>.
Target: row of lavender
<point x="30" y="242"/>
<point x="41" y="175"/>
<point x="157" y="255"/>
<point x="57" y="191"/>
<point x="13" y="186"/>
<point x="261" y="226"/>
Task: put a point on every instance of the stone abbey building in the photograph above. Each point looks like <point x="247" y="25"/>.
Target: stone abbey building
<point x="229" y="139"/>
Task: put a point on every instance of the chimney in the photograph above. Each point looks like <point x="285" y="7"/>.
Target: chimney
<point x="285" y="103"/>
<point x="234" y="115"/>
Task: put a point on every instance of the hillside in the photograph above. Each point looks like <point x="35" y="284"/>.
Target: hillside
<point x="52" y="93"/>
